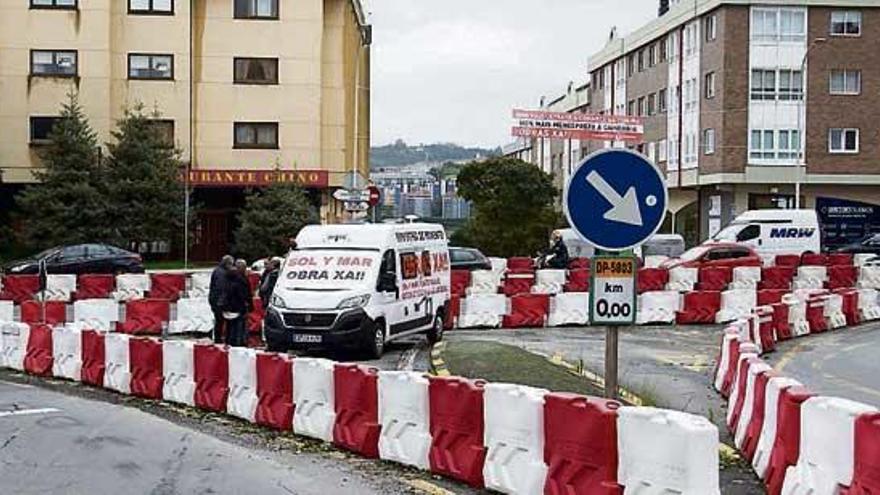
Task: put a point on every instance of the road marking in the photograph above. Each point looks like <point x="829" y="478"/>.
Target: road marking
<point x="427" y="487"/>
<point x="29" y="412"/>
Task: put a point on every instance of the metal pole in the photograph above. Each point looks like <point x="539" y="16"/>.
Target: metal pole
<point x="802" y="125"/>
<point x="611" y="355"/>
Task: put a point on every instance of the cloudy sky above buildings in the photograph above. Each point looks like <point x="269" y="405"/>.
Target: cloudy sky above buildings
<point x="452" y="70"/>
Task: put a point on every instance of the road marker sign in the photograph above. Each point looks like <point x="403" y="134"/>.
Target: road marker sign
<point x="616" y="199"/>
<point x="613" y="291"/>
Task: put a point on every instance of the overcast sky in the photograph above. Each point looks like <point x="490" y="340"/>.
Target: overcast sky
<point x="452" y="70"/>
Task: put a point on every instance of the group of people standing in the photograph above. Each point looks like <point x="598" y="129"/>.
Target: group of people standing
<point x="231" y="298"/>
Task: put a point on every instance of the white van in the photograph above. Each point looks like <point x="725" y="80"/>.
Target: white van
<point x="360" y="286"/>
<point x="772" y="232"/>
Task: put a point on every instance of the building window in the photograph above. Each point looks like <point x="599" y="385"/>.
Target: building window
<point x="256" y="135"/>
<point x="631" y="107"/>
<point x="661" y="151"/>
<point x="709" y="141"/>
<point x="711" y="28"/>
<point x="150" y="66"/>
<point x="762" y="145"/>
<point x="41" y="128"/>
<point x="778" y="24"/>
<point x="54" y="63"/>
<point x="710" y="85"/>
<point x="661" y="101"/>
<point x="165" y="129"/>
<point x="843" y="140"/>
<point x="54" y="4"/>
<point x="662" y="50"/>
<point x="631" y="65"/>
<point x="652" y="55"/>
<point x="846" y="23"/>
<point x="789" y="144"/>
<point x="642" y="110"/>
<point x="652" y="104"/>
<point x="763" y="84"/>
<point x="791" y="85"/>
<point x="256" y="70"/>
<point x="846" y="82"/>
<point x="151" y="7"/>
<point x="256" y="9"/>
<point x="641" y="60"/>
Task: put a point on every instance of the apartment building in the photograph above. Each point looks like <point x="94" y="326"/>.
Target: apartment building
<point x="742" y="100"/>
<point x="244" y="87"/>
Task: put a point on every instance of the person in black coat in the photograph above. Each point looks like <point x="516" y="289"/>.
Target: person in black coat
<point x="216" y="292"/>
<point x="558" y="257"/>
<point x="268" y="281"/>
<point x="237" y="303"/>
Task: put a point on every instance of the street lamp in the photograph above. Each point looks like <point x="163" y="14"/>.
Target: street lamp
<point x="802" y="127"/>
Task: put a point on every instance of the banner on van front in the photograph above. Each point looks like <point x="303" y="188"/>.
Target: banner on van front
<point x="330" y="269"/>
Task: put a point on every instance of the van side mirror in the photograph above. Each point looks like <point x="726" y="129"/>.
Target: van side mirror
<point x="387" y="282"/>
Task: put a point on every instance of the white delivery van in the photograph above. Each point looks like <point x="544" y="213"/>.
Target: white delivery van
<point x="360" y="286"/>
<point x="772" y="232"/>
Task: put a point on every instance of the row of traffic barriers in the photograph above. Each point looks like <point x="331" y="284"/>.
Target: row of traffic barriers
<point x="509" y="438"/>
<point x="799" y="443"/>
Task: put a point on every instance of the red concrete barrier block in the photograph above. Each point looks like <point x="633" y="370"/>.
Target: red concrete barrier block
<point x="518" y="284"/>
<point x="527" y="310"/>
<point x="787" y="447"/>
<point x="767" y="297"/>
<point x="777" y="277"/>
<point x="274" y="391"/>
<point x="866" y="475"/>
<point x="579" y="264"/>
<point x="457" y="427"/>
<point x="842" y="276"/>
<point x="254" y="281"/>
<point x="580" y="447"/>
<point x="145" y="317"/>
<point x="715" y="278"/>
<point x="460" y="280"/>
<point x="790" y="260"/>
<point x="742" y="377"/>
<point x="38" y="358"/>
<point x="145" y="363"/>
<point x="814" y="259"/>
<point x="211" y="376"/>
<point x="850" y="306"/>
<point x="32" y="312"/>
<point x="780" y="321"/>
<point x="520" y="265"/>
<point x="839" y="259"/>
<point x="753" y="430"/>
<point x="816" y="315"/>
<point x="578" y="281"/>
<point x="452" y="312"/>
<point x="699" y="307"/>
<point x="93" y="358"/>
<point x="357" y="427"/>
<point x="766" y="331"/>
<point x="255" y="317"/>
<point x="167" y="285"/>
<point x="94" y="286"/>
<point x="20" y="288"/>
<point x="652" y="279"/>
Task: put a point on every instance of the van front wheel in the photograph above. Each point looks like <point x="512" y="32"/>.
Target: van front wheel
<point x="435" y="334"/>
<point x="375" y="344"/>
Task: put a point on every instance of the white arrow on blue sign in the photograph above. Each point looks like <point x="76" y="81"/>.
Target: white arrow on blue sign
<point x="616" y="199"/>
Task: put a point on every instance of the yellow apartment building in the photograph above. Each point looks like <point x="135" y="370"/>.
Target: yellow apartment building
<point x="243" y="86"/>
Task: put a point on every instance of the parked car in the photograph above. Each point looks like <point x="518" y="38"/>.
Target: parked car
<point x="868" y="245"/>
<point x="79" y="258"/>
<point x="468" y="259"/>
<point x="715" y="254"/>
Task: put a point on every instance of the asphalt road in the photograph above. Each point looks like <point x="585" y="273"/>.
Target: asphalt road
<point x="841" y="363"/>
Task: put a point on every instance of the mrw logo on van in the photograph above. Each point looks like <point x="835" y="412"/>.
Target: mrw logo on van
<point x="792" y="233"/>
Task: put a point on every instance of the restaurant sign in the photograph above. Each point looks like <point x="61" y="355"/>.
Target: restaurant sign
<point x="258" y="178"/>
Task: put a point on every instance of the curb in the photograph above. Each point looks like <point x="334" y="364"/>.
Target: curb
<point x="438" y="365"/>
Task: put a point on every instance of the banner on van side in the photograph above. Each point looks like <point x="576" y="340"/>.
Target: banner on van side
<point x="844" y="222"/>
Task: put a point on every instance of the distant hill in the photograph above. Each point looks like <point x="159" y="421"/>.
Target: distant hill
<point x="401" y="154"/>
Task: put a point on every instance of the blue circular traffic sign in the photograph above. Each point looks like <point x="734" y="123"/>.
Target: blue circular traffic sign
<point x="616" y="199"/>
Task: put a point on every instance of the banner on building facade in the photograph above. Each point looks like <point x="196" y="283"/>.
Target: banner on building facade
<point x="584" y="126"/>
<point x="258" y="178"/>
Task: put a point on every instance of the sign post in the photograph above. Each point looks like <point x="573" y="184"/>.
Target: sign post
<point x="615" y="200"/>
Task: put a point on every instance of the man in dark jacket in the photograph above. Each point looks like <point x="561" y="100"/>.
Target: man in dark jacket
<point x="558" y="257"/>
<point x="237" y="304"/>
<point x="216" y="293"/>
<point x="268" y="280"/>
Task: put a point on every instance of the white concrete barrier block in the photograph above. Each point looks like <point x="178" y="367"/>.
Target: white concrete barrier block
<point x="67" y="353"/>
<point x="549" y="281"/>
<point x="199" y="285"/>
<point x="7" y="311"/>
<point x="404" y="414"/>
<point x="730" y="337"/>
<point x="682" y="279"/>
<point x="775" y="386"/>
<point x="658" y="307"/>
<point x="242" y="399"/>
<point x="514" y="436"/>
<point x="13" y="344"/>
<point x="827" y="447"/>
<point x="482" y="310"/>
<point x="59" y="287"/>
<point x="745" y="416"/>
<point x="869" y="309"/>
<point x="313" y="397"/>
<point x="666" y="452"/>
<point x="483" y="282"/>
<point x="746" y="277"/>
<point x="96" y="314"/>
<point x="569" y="308"/>
<point x="655" y="260"/>
<point x="117" y="363"/>
<point x="178" y="370"/>
<point x="735" y="304"/>
<point x="193" y="316"/>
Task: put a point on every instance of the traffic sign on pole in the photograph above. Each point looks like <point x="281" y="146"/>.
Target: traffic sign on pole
<point x="616" y="199"/>
<point x="613" y="291"/>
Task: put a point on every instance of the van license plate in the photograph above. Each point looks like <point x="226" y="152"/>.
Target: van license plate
<point x="307" y="339"/>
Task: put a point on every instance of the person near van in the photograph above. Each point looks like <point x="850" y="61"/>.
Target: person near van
<point x="557" y="258"/>
<point x="268" y="280"/>
<point x="216" y="293"/>
<point x="237" y="304"/>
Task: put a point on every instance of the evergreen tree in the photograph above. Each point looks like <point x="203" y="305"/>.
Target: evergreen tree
<point x="144" y="189"/>
<point x="68" y="205"/>
<point x="269" y="217"/>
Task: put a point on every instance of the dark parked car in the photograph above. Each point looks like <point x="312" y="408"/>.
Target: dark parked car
<point x="468" y="259"/>
<point x="80" y="258"/>
<point x="868" y="245"/>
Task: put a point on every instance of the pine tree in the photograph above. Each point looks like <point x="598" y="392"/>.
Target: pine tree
<point x="68" y="205"/>
<point x="145" y="192"/>
<point x="269" y="217"/>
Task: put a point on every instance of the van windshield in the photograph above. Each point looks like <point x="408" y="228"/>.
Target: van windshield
<point x="729" y="233"/>
<point x="330" y="270"/>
